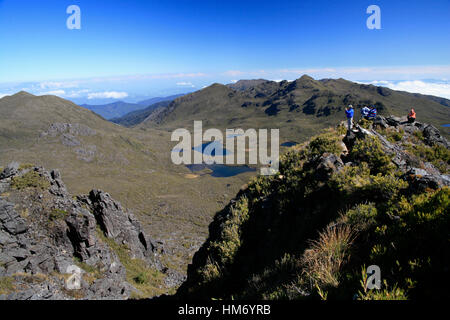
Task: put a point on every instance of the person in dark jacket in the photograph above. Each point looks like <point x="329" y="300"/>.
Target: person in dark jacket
<point x="365" y="112"/>
<point x="349" y="112"/>
<point x="372" y="113"/>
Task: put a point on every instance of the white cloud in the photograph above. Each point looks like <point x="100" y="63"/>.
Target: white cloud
<point x="371" y="73"/>
<point x="185" y="84"/>
<point x="54" y="93"/>
<point x="58" y="84"/>
<point x="4" y="95"/>
<point x="107" y="95"/>
<point x="417" y="86"/>
<point x="234" y="81"/>
<point x="77" y="93"/>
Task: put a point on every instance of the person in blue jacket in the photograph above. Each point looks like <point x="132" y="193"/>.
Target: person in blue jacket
<point x="349" y="112"/>
<point x="372" y="113"/>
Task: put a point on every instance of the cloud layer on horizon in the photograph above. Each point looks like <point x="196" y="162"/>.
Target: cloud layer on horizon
<point x="440" y="89"/>
<point x="134" y="87"/>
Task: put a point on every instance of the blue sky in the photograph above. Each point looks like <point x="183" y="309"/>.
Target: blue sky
<point x="130" y="49"/>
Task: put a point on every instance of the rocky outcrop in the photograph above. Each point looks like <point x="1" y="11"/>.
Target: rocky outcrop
<point x="432" y="136"/>
<point x="52" y="245"/>
<point x="69" y="135"/>
<point x="75" y="129"/>
<point x="122" y="227"/>
<point x="329" y="163"/>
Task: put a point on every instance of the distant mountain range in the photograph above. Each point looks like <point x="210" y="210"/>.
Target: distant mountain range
<point x="119" y="108"/>
<point x="135" y="117"/>
<point x="299" y="108"/>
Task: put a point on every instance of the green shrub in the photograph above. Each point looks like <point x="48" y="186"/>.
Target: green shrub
<point x="409" y="248"/>
<point x="419" y="135"/>
<point x="438" y="155"/>
<point x="362" y="217"/>
<point x="385" y="293"/>
<point x="31" y="179"/>
<point x="230" y="238"/>
<point x="326" y="142"/>
<point x="371" y="151"/>
<point x="364" y="123"/>
<point x="25" y="166"/>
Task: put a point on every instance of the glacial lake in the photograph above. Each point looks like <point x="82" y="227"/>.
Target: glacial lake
<point x="289" y="144"/>
<point x="221" y="170"/>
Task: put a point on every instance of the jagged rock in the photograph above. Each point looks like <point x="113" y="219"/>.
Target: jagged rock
<point x="57" y="185"/>
<point x="422" y="183"/>
<point x="430" y="169"/>
<point x="380" y="121"/>
<point x="81" y="232"/>
<point x="394" y="121"/>
<point x="48" y="239"/>
<point x="328" y="164"/>
<point x="410" y="128"/>
<point x="349" y="139"/>
<point x="122" y="226"/>
<point x="432" y="136"/>
<point x="418" y="172"/>
<point x="10" y="170"/>
<point x="10" y="220"/>
<point x="174" y="279"/>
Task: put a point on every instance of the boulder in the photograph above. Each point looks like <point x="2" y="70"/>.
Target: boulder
<point x="420" y="180"/>
<point x="433" y="137"/>
<point x="10" y="170"/>
<point x="380" y="121"/>
<point x="328" y="164"/>
<point x="394" y="121"/>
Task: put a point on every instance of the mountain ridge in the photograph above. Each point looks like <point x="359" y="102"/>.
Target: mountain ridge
<point x="298" y="108"/>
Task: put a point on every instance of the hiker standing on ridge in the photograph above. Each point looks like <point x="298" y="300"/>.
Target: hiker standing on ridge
<point x="349" y="113"/>
<point x="411" y="116"/>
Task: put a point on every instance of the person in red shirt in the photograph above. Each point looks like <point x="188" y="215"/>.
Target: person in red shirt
<point x="411" y="116"/>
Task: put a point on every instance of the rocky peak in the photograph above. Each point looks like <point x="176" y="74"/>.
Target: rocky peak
<point x="48" y="237"/>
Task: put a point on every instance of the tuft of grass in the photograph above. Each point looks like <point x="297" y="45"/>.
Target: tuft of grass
<point x="7" y="285"/>
<point x="322" y="262"/>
